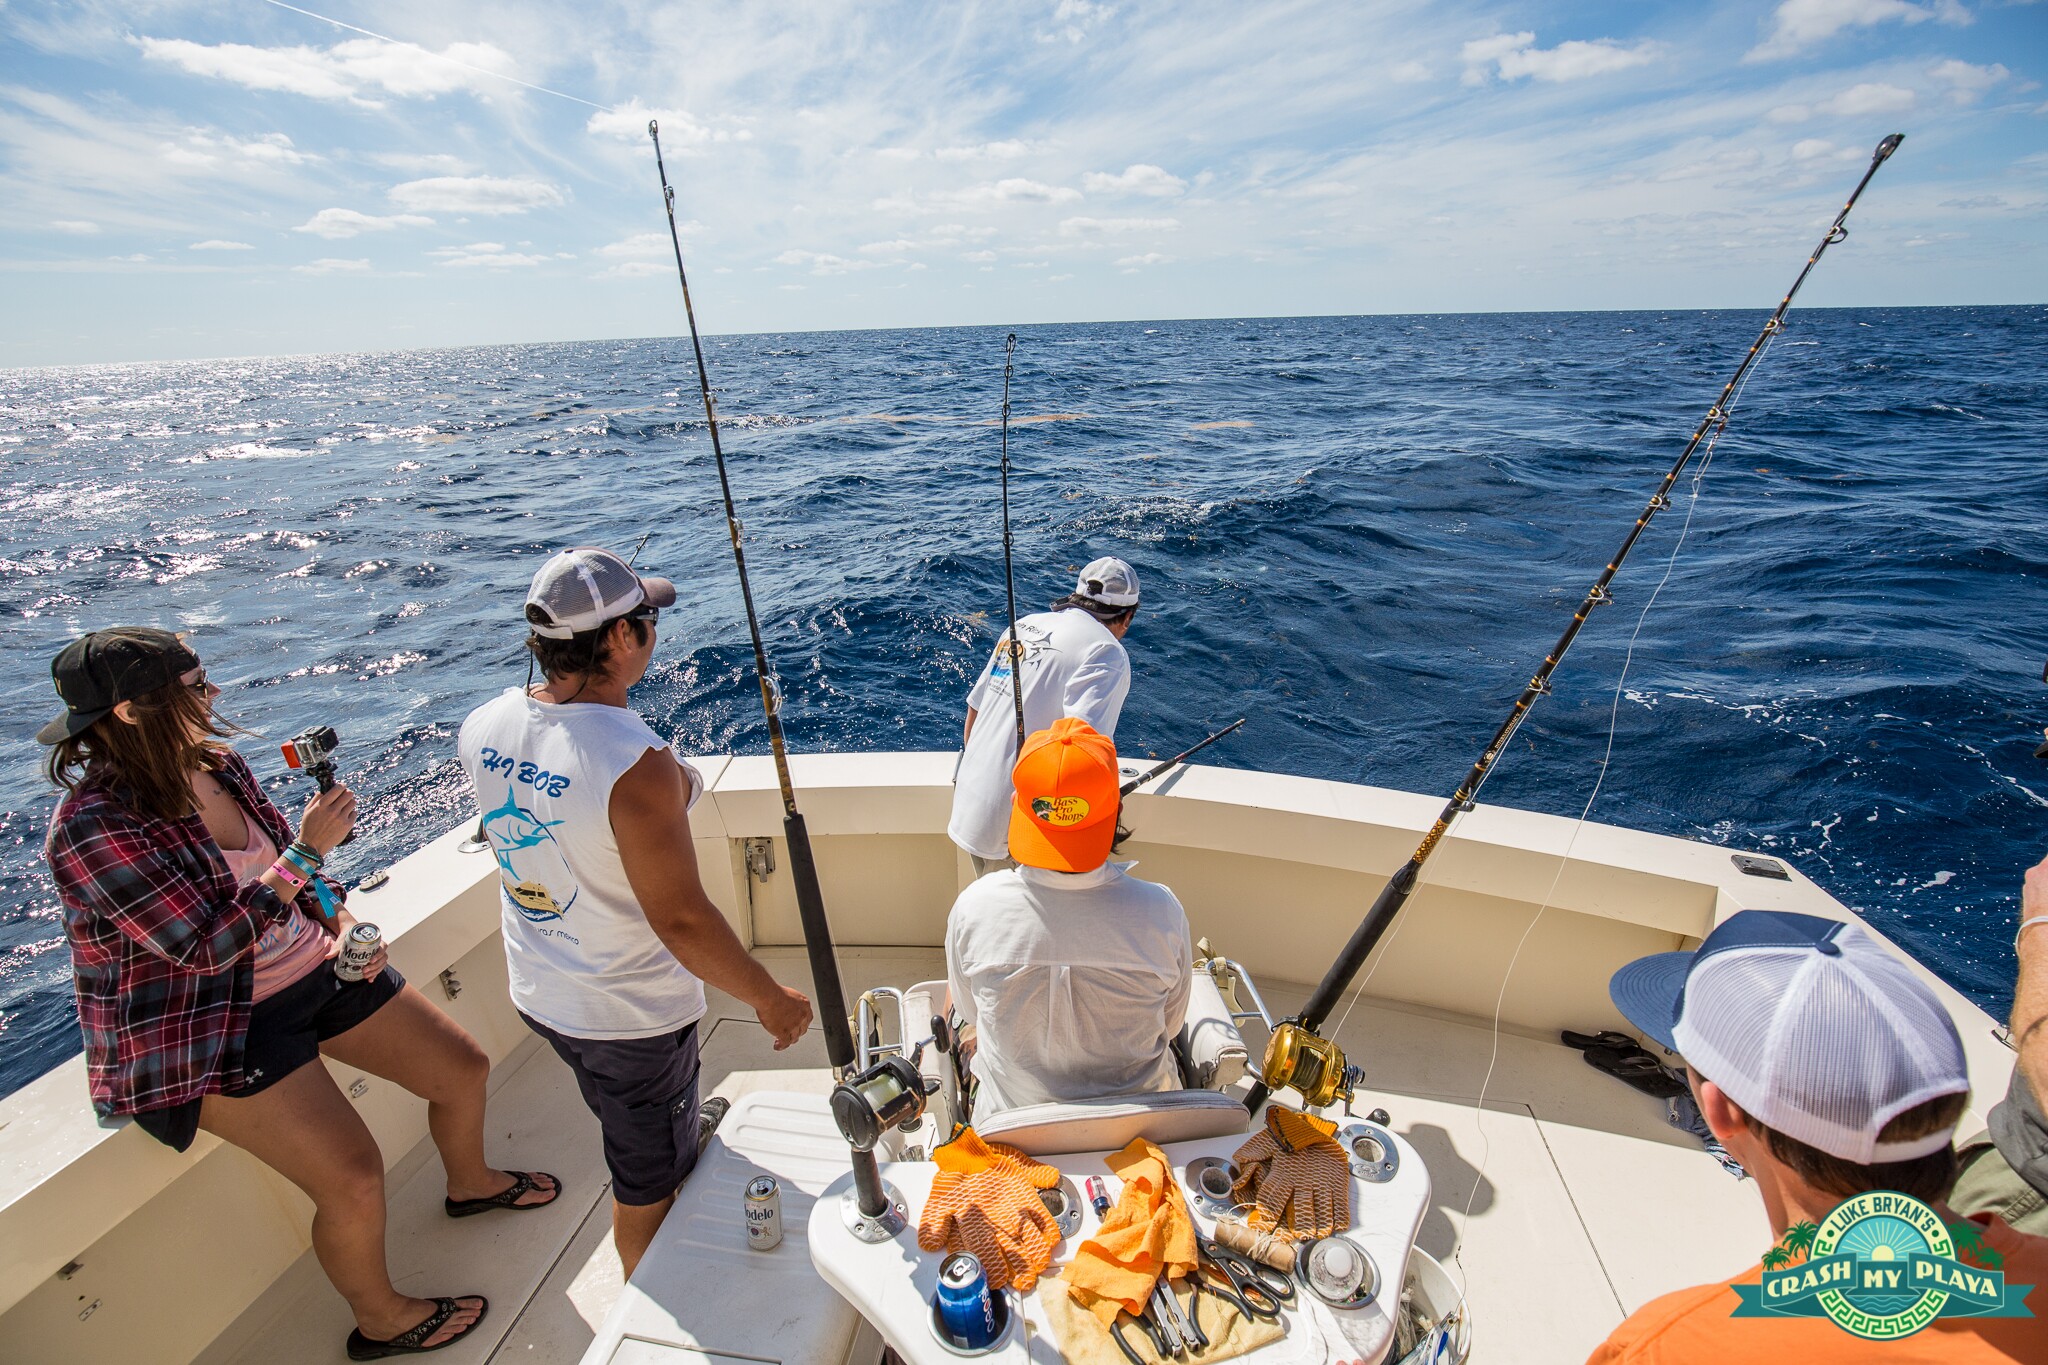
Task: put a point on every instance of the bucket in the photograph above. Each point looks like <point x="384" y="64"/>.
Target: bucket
<point x="1447" y="1334"/>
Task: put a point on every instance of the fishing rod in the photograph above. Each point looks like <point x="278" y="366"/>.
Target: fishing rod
<point x="877" y="1206"/>
<point x="1178" y="759"/>
<point x="1297" y="1054"/>
<point x="1009" y="575"/>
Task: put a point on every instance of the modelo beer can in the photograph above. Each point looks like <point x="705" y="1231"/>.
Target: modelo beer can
<point x="764" y="1213"/>
<point x="966" y="1308"/>
<point x="358" y="946"/>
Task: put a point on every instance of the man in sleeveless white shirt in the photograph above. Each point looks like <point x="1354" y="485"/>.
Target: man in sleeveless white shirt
<point x="609" y="935"/>
<point x="1074" y="666"/>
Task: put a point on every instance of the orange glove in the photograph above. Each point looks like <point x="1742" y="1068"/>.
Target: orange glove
<point x="985" y="1200"/>
<point x="1146" y="1236"/>
<point x="1295" y="1176"/>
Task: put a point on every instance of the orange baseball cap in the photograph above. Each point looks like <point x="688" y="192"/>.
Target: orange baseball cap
<point x="1064" y="815"/>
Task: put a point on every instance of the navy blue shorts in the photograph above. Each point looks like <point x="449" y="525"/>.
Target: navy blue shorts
<point x="644" y="1093"/>
<point x="285" y="1033"/>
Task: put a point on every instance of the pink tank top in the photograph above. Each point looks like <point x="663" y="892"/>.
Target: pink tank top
<point x="289" y="948"/>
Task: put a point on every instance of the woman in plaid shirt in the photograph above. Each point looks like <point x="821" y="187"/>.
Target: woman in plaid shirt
<point x="201" y="935"/>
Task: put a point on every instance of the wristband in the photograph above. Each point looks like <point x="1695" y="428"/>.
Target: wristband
<point x="298" y="860"/>
<point x="288" y="872"/>
<point x="2025" y="925"/>
<point x="325" y="897"/>
<point x="306" y="853"/>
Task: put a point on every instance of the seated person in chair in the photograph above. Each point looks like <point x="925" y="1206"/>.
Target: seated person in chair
<point x="1074" y="973"/>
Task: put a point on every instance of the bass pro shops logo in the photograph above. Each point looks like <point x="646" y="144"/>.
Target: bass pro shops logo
<point x="1882" y="1266"/>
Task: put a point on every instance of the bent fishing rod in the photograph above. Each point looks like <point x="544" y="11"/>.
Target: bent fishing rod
<point x="1009" y="575"/>
<point x="1178" y="759"/>
<point x="1297" y="1054"/>
<point x="871" y="1197"/>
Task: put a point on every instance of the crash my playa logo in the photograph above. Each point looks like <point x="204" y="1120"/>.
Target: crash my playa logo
<point x="1882" y="1266"/>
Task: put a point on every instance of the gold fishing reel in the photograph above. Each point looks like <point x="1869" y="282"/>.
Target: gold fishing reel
<point x="1298" y="1056"/>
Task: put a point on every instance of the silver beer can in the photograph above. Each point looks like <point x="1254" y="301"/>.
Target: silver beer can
<point x="357" y="948"/>
<point x="764" y="1213"/>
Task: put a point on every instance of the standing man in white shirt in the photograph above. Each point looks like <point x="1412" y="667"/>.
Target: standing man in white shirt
<point x="1074" y="666"/>
<point x="1074" y="973"/>
<point x="609" y="935"/>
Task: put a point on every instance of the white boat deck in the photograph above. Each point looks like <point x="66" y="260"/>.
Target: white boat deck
<point x="1574" y="1173"/>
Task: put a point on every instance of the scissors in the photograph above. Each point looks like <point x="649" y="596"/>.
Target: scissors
<point x="1259" y="1291"/>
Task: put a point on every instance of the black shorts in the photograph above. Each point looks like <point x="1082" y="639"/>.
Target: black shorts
<point x="644" y="1093"/>
<point x="285" y="1033"/>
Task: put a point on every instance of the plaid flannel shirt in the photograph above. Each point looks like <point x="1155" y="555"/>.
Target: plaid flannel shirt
<point x="161" y="942"/>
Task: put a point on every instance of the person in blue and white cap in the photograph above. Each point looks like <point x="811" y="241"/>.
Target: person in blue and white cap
<point x="609" y="935"/>
<point x="1074" y="666"/>
<point x="1828" y="1068"/>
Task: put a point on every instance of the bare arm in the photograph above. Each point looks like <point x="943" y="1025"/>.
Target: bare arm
<point x="2030" y="996"/>
<point x="651" y="820"/>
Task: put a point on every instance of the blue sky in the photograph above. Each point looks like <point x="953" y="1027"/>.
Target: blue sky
<point x="184" y="179"/>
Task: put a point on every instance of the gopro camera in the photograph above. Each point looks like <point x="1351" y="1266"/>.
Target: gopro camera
<point x="312" y="750"/>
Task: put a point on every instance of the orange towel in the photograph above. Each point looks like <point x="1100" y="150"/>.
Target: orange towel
<point x="1146" y="1235"/>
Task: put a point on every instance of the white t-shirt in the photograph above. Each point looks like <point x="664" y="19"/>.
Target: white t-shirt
<point x="1074" y="667"/>
<point x="1077" y="983"/>
<point x="582" y="957"/>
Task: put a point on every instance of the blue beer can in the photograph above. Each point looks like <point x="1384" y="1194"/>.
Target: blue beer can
<point x="967" y="1310"/>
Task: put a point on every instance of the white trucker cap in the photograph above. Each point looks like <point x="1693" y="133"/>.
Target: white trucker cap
<point x="1109" y="581"/>
<point x="1807" y="1023"/>
<point x="581" y="589"/>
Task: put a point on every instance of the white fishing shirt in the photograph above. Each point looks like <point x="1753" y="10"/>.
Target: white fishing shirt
<point x="1077" y="983"/>
<point x="1073" y="666"/>
<point x="583" y="959"/>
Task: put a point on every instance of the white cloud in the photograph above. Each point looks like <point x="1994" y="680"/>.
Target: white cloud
<point x="414" y="163"/>
<point x="1138" y="179"/>
<point x="1008" y="149"/>
<point x="1409" y="73"/>
<point x="329" y="265"/>
<point x="1869" y="98"/>
<point x="1790" y="113"/>
<point x="980" y="198"/>
<point x="217" y="244"/>
<point x="1799" y="24"/>
<point x="979" y="257"/>
<point x="1967" y="83"/>
<point x="475" y="194"/>
<point x="1097" y="227"/>
<point x="1072" y="19"/>
<point x="136" y="259"/>
<point x="1806" y="149"/>
<point x="679" y="128"/>
<point x="354" y="70"/>
<point x="491" y="255"/>
<point x="822" y="262"/>
<point x="339" y="223"/>
<point x="77" y="227"/>
<point x="1515" y="55"/>
<point x="1149" y="258"/>
<point x="206" y="149"/>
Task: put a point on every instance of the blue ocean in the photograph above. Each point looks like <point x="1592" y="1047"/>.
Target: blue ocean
<point x="1363" y="533"/>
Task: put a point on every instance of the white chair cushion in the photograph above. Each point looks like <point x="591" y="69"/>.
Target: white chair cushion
<point x="1109" y="1124"/>
<point x="1212" y="1047"/>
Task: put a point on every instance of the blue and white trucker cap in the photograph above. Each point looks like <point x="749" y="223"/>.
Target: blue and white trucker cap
<point x="1110" y="581"/>
<point x="581" y="589"/>
<point x="1807" y="1023"/>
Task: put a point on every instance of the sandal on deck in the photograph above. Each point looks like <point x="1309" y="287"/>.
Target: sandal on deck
<point x="1637" y="1068"/>
<point x="1604" y="1038"/>
<point x="523" y="1184"/>
<point x="408" y="1342"/>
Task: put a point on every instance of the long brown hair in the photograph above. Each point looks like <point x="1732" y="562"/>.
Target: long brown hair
<point x="147" y="763"/>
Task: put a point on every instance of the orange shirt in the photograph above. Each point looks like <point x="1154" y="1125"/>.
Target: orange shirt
<point x="1693" y="1326"/>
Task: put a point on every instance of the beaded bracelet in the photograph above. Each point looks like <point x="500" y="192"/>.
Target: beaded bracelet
<point x="306" y="853"/>
<point x="2025" y="925"/>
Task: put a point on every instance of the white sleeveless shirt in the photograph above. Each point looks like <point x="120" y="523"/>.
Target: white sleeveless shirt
<point x="583" y="959"/>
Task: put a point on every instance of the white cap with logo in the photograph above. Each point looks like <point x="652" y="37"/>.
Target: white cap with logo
<point x="1109" y="581"/>
<point x="1808" y="1024"/>
<point x="581" y="589"/>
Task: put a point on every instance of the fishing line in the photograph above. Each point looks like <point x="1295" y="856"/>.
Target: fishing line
<point x="1009" y="575"/>
<point x="443" y="57"/>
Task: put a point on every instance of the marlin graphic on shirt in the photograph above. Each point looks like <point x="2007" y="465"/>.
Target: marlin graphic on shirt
<point x="530" y="863"/>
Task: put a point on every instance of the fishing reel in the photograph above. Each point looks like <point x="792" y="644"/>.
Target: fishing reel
<point x="1298" y="1056"/>
<point x="889" y="1094"/>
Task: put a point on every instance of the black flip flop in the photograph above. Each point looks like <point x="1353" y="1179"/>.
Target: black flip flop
<point x="523" y="1183"/>
<point x="407" y="1343"/>
<point x="1636" y="1068"/>
<point x="1604" y="1038"/>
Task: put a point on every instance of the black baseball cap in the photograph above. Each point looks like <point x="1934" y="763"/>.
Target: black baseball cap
<point x="100" y="670"/>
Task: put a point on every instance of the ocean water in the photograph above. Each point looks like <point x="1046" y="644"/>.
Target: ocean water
<point x="1362" y="533"/>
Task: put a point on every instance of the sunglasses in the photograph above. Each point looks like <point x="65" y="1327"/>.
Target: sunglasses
<point x="648" y="614"/>
<point x="200" y="687"/>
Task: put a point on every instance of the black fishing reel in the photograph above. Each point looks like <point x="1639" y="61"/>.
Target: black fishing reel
<point x="889" y="1094"/>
